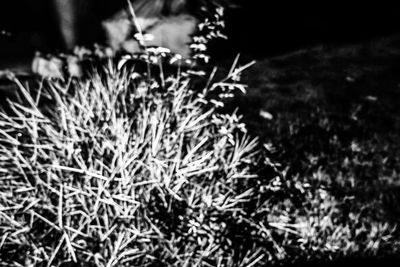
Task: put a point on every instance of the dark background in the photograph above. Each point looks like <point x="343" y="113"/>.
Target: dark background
<point x="30" y="25"/>
<point x="259" y="28"/>
<point x="264" y="28"/>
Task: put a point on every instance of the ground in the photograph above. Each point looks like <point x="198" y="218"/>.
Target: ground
<point x="333" y="113"/>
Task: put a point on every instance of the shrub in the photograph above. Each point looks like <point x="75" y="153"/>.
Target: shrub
<point x="123" y="169"/>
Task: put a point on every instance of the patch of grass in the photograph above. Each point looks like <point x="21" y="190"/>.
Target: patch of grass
<point x="334" y="123"/>
<point x="139" y="164"/>
<point x="124" y="169"/>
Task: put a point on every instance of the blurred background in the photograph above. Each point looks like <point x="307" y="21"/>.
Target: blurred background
<point x="29" y="26"/>
<point x="257" y="28"/>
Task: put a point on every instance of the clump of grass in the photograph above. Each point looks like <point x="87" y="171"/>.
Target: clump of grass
<point x="130" y="167"/>
<point x="136" y="165"/>
<point x="122" y="169"/>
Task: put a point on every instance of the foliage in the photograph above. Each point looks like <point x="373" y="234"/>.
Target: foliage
<point x="138" y="164"/>
<point x="123" y="169"/>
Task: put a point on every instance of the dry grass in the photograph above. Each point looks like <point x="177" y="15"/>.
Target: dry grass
<point x="119" y="169"/>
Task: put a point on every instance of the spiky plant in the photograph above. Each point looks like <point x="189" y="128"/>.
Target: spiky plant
<point x="122" y="170"/>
